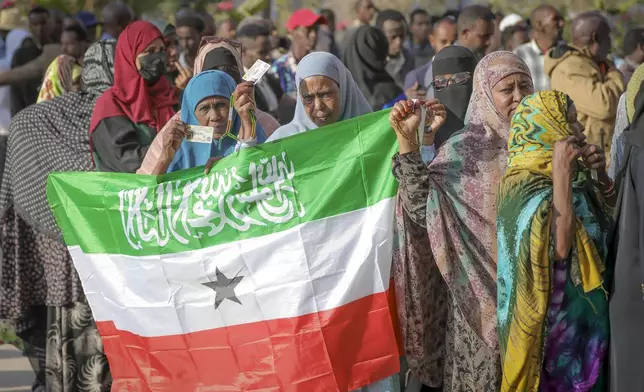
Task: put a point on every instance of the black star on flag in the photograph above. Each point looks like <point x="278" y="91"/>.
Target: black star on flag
<point x="224" y="287"/>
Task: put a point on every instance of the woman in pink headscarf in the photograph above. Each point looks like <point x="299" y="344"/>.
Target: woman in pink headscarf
<point x="445" y="267"/>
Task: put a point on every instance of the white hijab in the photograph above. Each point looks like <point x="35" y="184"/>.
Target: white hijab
<point x="14" y="40"/>
<point x="353" y="103"/>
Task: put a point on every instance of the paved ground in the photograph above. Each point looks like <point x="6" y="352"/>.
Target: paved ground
<point x="15" y="371"/>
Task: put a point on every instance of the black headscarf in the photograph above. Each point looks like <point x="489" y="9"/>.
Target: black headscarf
<point x="451" y="60"/>
<point x="222" y="59"/>
<point x="366" y="57"/>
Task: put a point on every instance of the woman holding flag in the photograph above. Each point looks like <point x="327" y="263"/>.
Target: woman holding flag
<point x="326" y="94"/>
<point x="210" y="100"/>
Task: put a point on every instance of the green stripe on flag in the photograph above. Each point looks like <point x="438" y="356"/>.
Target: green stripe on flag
<point x="258" y="191"/>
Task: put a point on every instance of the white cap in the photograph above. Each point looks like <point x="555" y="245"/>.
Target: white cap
<point x="510" y="20"/>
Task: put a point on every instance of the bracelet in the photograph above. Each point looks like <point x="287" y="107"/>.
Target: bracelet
<point x="610" y="191"/>
<point x="610" y="194"/>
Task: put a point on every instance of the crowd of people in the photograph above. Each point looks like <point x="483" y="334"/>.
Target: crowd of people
<point x="518" y="264"/>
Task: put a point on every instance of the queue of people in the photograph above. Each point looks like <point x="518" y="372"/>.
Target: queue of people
<point x="517" y="265"/>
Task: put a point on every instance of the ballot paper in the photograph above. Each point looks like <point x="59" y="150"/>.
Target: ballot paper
<point x="200" y="134"/>
<point x="256" y="72"/>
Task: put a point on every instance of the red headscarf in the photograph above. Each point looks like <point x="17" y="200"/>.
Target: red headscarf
<point x="131" y="96"/>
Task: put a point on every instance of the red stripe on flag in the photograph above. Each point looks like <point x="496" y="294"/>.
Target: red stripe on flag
<point x="336" y="350"/>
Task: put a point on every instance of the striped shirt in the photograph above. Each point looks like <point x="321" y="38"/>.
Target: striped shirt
<point x="533" y="57"/>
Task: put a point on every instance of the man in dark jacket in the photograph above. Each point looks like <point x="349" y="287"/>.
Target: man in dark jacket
<point x="399" y="60"/>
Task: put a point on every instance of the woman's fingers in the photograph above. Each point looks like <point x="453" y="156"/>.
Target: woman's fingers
<point x="594" y="157"/>
<point x="211" y="162"/>
<point x="433" y="104"/>
<point x="590" y="149"/>
<point x="180" y="69"/>
<point x="184" y="71"/>
<point x="180" y="129"/>
<point x="596" y="161"/>
<point x="244" y="88"/>
<point x="244" y="104"/>
<point x="399" y="110"/>
<point x="246" y="107"/>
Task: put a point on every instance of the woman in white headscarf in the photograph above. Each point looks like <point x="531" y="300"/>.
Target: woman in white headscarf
<point x="15" y="38"/>
<point x="326" y="94"/>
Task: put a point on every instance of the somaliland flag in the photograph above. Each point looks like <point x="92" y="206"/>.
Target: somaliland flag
<point x="270" y="273"/>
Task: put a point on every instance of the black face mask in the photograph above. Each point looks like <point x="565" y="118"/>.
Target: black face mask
<point x="455" y="97"/>
<point x="153" y="66"/>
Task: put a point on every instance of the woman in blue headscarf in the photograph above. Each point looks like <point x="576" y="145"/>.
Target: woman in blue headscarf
<point x="206" y="102"/>
<point x="326" y="93"/>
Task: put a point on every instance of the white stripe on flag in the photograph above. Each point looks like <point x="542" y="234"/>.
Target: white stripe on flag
<point x="312" y="267"/>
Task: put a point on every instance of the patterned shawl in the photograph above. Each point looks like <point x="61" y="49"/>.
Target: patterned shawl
<point x="53" y="136"/>
<point x="524" y="243"/>
<point x="60" y="77"/>
<point x="461" y="228"/>
<point x="461" y="207"/>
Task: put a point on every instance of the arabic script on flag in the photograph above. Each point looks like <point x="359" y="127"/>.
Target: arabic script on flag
<point x="204" y="206"/>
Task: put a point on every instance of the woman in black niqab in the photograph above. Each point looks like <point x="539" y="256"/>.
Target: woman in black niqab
<point x="365" y="56"/>
<point x="456" y="97"/>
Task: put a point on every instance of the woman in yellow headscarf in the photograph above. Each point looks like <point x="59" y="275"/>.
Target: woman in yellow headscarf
<point x="63" y="75"/>
<point x="552" y="223"/>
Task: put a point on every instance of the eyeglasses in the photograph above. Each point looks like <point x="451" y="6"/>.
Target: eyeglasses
<point x="441" y="83"/>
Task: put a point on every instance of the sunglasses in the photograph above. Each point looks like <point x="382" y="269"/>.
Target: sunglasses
<point x="441" y="83"/>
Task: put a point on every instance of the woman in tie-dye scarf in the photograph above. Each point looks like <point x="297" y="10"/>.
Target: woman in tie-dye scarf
<point x="553" y="220"/>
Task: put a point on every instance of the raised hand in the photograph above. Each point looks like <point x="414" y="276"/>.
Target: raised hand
<point x="175" y="135"/>
<point x="436" y="114"/>
<point x="565" y="155"/>
<point x="245" y="104"/>
<point x="181" y="81"/>
<point x="405" y="118"/>
<point x="414" y="92"/>
<point x="594" y="158"/>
